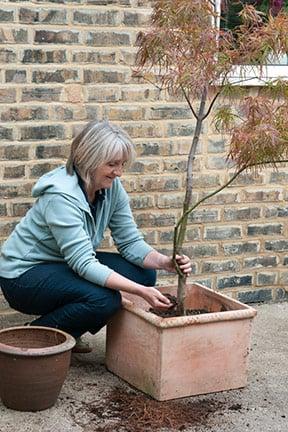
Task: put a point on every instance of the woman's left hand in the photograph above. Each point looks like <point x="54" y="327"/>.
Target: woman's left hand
<point x="183" y="262"/>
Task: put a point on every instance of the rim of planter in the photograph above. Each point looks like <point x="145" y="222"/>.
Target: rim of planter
<point x="243" y="312"/>
<point x="67" y="345"/>
<point x="183" y="321"/>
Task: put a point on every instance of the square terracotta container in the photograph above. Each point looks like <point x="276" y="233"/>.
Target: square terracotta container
<point x="169" y="358"/>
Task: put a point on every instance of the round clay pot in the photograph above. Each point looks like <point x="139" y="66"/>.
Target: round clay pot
<point x="34" y="362"/>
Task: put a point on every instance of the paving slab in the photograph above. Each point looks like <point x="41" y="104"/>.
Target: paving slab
<point x="94" y="400"/>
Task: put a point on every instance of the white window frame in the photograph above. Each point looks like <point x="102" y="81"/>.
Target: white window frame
<point x="245" y="76"/>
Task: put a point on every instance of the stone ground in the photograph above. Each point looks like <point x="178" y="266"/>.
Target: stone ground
<point x="92" y="399"/>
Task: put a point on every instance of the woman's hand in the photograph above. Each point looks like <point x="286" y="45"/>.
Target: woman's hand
<point x="156" y="260"/>
<point x="155" y="298"/>
<point x="183" y="262"/>
<point x="150" y="294"/>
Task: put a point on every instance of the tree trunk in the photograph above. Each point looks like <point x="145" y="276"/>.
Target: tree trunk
<point x="180" y="230"/>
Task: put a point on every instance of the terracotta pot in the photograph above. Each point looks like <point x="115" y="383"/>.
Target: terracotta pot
<point x="34" y="362"/>
<point x="169" y="358"/>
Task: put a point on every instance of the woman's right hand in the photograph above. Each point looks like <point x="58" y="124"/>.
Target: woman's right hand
<point x="155" y="298"/>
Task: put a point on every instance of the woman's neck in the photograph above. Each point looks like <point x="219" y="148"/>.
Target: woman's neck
<point x="90" y="193"/>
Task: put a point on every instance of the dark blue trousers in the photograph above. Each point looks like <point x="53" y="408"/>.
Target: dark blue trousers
<point x="66" y="301"/>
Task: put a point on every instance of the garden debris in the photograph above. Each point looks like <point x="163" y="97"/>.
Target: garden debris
<point x="134" y="412"/>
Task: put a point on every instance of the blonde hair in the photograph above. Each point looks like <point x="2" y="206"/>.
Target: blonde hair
<point x="97" y="144"/>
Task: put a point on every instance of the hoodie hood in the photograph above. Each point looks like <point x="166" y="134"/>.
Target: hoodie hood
<point x="58" y="181"/>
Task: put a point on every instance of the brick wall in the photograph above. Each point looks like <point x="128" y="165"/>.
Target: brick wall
<point x="68" y="61"/>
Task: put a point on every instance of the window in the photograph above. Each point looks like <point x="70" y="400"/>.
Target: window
<point x="274" y="69"/>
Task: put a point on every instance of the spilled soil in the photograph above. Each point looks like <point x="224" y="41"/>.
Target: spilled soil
<point x="130" y="411"/>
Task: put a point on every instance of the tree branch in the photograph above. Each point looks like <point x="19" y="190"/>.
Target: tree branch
<point x="189" y="102"/>
<point x="185" y="214"/>
<point x="211" y="104"/>
<point x="150" y="81"/>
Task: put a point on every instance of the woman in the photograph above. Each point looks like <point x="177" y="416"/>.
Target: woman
<point x="50" y="267"/>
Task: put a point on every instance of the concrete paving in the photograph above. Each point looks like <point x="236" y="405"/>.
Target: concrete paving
<point x="91" y="397"/>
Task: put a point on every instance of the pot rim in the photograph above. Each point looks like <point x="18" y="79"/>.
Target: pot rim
<point x="244" y="312"/>
<point x="67" y="345"/>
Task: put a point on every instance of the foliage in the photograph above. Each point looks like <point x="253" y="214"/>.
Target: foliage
<point x="232" y="8"/>
<point x="188" y="55"/>
<point x="263" y="136"/>
<point x="183" y="53"/>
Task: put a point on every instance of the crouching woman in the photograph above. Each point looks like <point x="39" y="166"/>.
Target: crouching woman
<point x="50" y="266"/>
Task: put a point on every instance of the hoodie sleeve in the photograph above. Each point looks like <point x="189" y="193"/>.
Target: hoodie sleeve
<point x="128" y="239"/>
<point x="66" y="223"/>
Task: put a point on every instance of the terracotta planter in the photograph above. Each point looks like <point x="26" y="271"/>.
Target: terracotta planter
<point x="34" y="362"/>
<point x="169" y="358"/>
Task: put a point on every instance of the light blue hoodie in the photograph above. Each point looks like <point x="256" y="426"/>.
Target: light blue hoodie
<point x="60" y="227"/>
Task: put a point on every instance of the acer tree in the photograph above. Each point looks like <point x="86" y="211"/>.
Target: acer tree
<point x="186" y="52"/>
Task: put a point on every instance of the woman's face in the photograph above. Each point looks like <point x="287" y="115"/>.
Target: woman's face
<point x="106" y="173"/>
